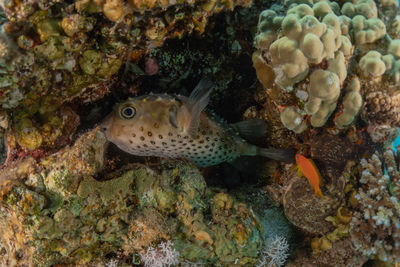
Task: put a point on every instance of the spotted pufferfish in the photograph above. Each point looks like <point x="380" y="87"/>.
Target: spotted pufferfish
<point x="179" y="127"/>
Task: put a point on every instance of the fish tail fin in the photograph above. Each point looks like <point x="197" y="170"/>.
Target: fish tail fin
<point x="285" y="155"/>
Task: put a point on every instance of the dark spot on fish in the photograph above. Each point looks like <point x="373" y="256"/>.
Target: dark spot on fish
<point x="170" y="134"/>
<point x="164" y="144"/>
<point x="141" y="128"/>
<point x="149" y="133"/>
<point x="190" y="141"/>
<point x="130" y="141"/>
<point x="144" y="145"/>
<point x="199" y="147"/>
<point x="193" y="144"/>
<point x="160" y="136"/>
<point x="180" y="141"/>
<point x="179" y="136"/>
<point x="201" y="141"/>
<point x="188" y="148"/>
<point x="152" y="142"/>
<point x="184" y="144"/>
<point x="215" y="140"/>
<point x="186" y="137"/>
<point x="156" y="125"/>
<point x="142" y="138"/>
<point x="203" y="132"/>
<point x="207" y="138"/>
<point x="173" y="145"/>
<point x="138" y="146"/>
<point x="173" y="140"/>
<point x="206" y="146"/>
<point x="133" y="135"/>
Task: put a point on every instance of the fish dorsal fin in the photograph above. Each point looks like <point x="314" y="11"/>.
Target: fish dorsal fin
<point x="250" y="129"/>
<point x="189" y="113"/>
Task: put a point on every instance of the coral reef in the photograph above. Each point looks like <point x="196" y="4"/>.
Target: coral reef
<point x="341" y="254"/>
<point x="54" y="52"/>
<point x="56" y="212"/>
<point x="309" y="36"/>
<point x="324" y="76"/>
<point x="375" y="228"/>
<point x="275" y="254"/>
<point x="302" y="207"/>
<point x="306" y="57"/>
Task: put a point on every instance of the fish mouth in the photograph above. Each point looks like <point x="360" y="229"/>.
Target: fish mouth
<point x="105" y="125"/>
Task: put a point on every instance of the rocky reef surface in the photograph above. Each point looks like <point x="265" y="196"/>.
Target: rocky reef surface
<point x="323" y="75"/>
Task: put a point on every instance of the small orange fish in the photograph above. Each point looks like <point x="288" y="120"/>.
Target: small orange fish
<point x="306" y="167"/>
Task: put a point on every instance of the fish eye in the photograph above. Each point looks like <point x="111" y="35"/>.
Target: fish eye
<point x="128" y="112"/>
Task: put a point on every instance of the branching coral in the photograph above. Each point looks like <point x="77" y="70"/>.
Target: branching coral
<point x="275" y="252"/>
<point x="163" y="255"/>
<point x="375" y="228"/>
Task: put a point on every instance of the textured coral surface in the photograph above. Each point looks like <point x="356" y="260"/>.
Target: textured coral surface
<point x="323" y="75"/>
<point x="61" y="214"/>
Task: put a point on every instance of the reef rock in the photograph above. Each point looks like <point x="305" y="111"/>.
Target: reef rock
<point x="61" y="210"/>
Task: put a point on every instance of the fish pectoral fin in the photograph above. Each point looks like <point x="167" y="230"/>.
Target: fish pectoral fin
<point x="188" y="116"/>
<point x="250" y="129"/>
<point x="299" y="172"/>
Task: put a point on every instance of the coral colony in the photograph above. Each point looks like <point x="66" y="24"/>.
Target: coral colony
<point x="199" y="133"/>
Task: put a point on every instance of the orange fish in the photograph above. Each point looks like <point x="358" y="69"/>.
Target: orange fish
<point x="306" y="167"/>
